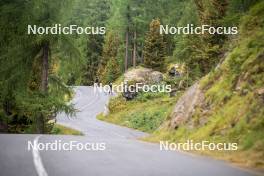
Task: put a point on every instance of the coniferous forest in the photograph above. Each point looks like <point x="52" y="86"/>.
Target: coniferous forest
<point x="38" y="72"/>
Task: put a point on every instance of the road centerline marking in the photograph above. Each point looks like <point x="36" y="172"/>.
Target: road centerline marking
<point x="37" y="159"/>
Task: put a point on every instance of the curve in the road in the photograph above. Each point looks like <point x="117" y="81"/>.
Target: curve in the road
<point x="124" y="155"/>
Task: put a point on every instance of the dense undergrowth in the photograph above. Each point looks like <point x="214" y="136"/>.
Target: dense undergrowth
<point x="146" y="112"/>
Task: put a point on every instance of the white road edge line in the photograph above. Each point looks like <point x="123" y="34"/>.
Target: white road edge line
<point x="37" y="159"/>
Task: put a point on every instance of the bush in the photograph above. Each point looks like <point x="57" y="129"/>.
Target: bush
<point x="147" y="121"/>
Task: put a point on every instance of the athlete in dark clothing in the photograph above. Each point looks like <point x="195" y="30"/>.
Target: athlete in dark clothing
<point x="111" y="88"/>
<point x="96" y="80"/>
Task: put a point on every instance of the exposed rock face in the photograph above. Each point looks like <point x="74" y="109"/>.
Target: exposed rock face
<point x="260" y="91"/>
<point x="140" y="75"/>
<point x="186" y="105"/>
<point x="143" y="75"/>
<point x="155" y="77"/>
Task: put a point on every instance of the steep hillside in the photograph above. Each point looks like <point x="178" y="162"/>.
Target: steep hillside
<point x="227" y="105"/>
<point x="233" y="106"/>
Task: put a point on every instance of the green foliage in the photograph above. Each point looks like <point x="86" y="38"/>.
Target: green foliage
<point x="146" y="112"/>
<point x="146" y="96"/>
<point x="91" y="13"/>
<point x="63" y="130"/>
<point x="22" y="100"/>
<point x="146" y="121"/>
<point x="233" y="109"/>
<point x="134" y="16"/>
<point x="112" y="71"/>
<point x="109" y="68"/>
<point x="201" y="53"/>
<point x="154" y="50"/>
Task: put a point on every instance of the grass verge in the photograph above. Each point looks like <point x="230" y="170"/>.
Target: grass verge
<point x="60" y="129"/>
<point x="146" y="112"/>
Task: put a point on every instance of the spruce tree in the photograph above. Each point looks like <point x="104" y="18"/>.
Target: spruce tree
<point x="30" y="94"/>
<point x="112" y="71"/>
<point x="154" y="50"/>
<point x="109" y="68"/>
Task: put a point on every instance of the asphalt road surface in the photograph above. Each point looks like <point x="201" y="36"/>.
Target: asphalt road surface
<point x="112" y="150"/>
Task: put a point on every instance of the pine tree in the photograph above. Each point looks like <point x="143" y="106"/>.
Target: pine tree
<point x="207" y="54"/>
<point x="30" y="95"/>
<point x="97" y="15"/>
<point x="154" y="50"/>
<point x="112" y="71"/>
<point x="109" y="68"/>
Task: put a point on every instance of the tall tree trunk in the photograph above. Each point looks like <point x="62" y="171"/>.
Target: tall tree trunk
<point x="6" y="109"/>
<point x="126" y="56"/>
<point x="135" y="49"/>
<point x="40" y="121"/>
<point x="45" y="68"/>
<point x="142" y="53"/>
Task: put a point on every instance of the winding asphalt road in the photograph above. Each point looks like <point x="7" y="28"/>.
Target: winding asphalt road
<point x="124" y="155"/>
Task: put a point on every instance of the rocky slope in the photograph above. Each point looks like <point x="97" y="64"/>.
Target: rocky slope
<point x="227" y="105"/>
